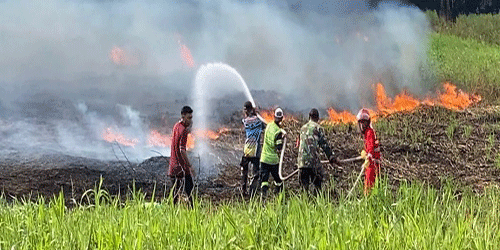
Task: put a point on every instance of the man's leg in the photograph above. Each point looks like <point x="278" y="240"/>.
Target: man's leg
<point x="188" y="188"/>
<point x="244" y="174"/>
<point x="255" y="176"/>
<point x="264" y="175"/>
<point x="304" y="175"/>
<point x="278" y="182"/>
<point x="317" y="179"/>
<point x="370" y="174"/>
<point x="176" y="188"/>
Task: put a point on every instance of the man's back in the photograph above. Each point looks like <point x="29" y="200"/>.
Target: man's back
<point x="253" y="129"/>
<point x="311" y="139"/>
<point x="269" y="153"/>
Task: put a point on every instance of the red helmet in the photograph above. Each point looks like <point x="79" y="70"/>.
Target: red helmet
<point x="363" y="114"/>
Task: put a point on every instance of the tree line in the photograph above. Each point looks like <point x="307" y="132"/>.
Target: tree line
<point x="450" y="9"/>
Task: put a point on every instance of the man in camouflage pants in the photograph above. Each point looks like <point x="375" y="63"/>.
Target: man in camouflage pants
<point x="312" y="137"/>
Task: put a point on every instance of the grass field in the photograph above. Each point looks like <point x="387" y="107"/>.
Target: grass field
<point x="470" y="64"/>
<point x="413" y="217"/>
<point x="467" y="53"/>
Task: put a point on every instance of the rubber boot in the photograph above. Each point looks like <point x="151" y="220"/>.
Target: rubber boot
<point x="244" y="176"/>
<point x="278" y="187"/>
<point x="263" y="193"/>
<point x="254" y="181"/>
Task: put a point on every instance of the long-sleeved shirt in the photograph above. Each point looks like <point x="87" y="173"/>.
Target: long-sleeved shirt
<point x="372" y="147"/>
<point x="312" y="137"/>
<point x="177" y="164"/>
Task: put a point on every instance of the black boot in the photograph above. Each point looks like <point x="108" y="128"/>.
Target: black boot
<point x="279" y="187"/>
<point x="254" y="181"/>
<point x="244" y="174"/>
<point x="263" y="193"/>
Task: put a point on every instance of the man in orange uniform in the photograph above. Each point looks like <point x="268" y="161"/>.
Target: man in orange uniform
<point x="371" y="153"/>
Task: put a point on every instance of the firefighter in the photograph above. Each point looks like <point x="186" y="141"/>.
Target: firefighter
<point x="269" y="159"/>
<point x="312" y="138"/>
<point x="254" y="127"/>
<point x="371" y="152"/>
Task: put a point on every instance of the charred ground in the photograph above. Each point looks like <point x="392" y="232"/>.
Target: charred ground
<point x="429" y="145"/>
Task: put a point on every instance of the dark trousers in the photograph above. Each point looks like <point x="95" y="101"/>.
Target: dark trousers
<point x="265" y="170"/>
<point x="254" y="175"/>
<point x="185" y="182"/>
<point x="311" y="174"/>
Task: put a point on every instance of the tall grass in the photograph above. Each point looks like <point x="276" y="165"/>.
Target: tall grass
<point x="467" y="52"/>
<point x="483" y="27"/>
<point x="471" y="64"/>
<point x="415" y="217"/>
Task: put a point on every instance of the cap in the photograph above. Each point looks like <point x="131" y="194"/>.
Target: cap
<point x="278" y="113"/>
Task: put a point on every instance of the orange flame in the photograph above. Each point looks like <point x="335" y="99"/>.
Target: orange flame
<point x="402" y="102"/>
<point x="451" y="99"/>
<point x="223" y="130"/>
<point x="119" y="57"/>
<point x="110" y="136"/>
<point x="456" y="100"/>
<point x="186" y="56"/>
<point x="156" y="138"/>
<point x="190" y="142"/>
<point x="206" y="134"/>
<point x="342" y="117"/>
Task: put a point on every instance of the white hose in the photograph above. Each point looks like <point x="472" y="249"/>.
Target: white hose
<point x="357" y="180"/>
<point x="280" y="168"/>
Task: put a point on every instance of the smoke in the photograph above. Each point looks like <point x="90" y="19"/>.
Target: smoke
<point x="81" y="66"/>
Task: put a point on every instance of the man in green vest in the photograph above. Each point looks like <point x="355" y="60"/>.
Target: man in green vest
<point x="269" y="158"/>
<point x="312" y="138"/>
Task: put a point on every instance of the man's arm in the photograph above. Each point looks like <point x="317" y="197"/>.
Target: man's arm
<point x="325" y="146"/>
<point x="370" y="143"/>
<point x="182" y="148"/>
<point x="186" y="161"/>
<point x="278" y="140"/>
<point x="264" y="123"/>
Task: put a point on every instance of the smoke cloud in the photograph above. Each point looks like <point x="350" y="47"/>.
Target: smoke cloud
<point x="81" y="66"/>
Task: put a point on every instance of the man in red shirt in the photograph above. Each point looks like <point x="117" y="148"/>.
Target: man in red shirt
<point x="371" y="153"/>
<point x="180" y="169"/>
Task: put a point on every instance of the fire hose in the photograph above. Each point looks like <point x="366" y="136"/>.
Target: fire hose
<point x="280" y="168"/>
<point x="284" y="178"/>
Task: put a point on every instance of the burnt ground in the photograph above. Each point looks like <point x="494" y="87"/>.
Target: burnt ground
<point x="429" y="145"/>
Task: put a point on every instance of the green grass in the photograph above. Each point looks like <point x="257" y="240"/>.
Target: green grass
<point x="467" y="52"/>
<point x="416" y="217"/>
<point x="483" y="27"/>
<point x="470" y="64"/>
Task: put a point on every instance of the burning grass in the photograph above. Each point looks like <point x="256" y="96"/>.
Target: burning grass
<point x="428" y="145"/>
<point x="450" y="98"/>
<point x="471" y="64"/>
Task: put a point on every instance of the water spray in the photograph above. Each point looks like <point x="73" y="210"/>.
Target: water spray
<point x="205" y="74"/>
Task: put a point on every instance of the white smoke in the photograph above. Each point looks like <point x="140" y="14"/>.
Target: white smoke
<point x="313" y="54"/>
